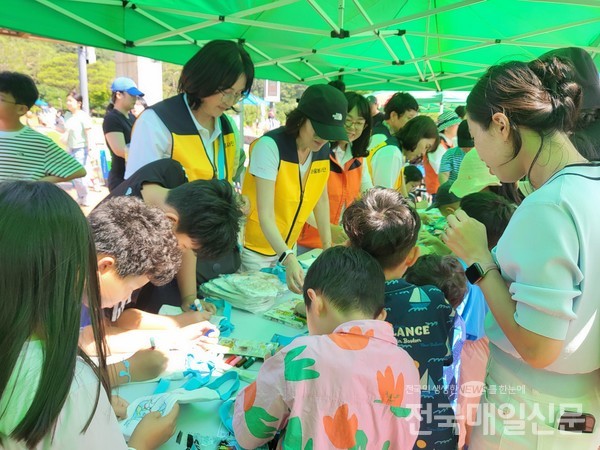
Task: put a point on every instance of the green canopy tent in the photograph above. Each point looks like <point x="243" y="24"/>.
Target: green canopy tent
<point x="374" y="44"/>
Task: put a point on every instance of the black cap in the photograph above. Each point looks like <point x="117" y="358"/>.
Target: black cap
<point x="326" y="107"/>
<point x="463" y="136"/>
<point x="586" y="73"/>
<point x="444" y="197"/>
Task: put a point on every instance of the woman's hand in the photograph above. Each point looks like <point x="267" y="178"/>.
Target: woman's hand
<point x="294" y="275"/>
<point x="467" y="238"/>
<point x="154" y="430"/>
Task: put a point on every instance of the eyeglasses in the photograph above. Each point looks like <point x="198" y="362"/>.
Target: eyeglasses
<point x="232" y="97"/>
<point x="356" y="124"/>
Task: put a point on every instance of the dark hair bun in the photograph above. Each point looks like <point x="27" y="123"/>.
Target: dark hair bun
<point x="563" y="93"/>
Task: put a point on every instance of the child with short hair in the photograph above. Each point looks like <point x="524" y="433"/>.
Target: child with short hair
<point x="384" y="224"/>
<point x="347" y="384"/>
<point x="205" y="215"/>
<point x="26" y="154"/>
<point x="446" y="273"/>
<point x="135" y="244"/>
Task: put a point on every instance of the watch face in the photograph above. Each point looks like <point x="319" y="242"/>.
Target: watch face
<point x="474" y="273"/>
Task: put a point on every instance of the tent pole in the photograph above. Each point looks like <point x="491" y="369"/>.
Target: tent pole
<point x="83" y="81"/>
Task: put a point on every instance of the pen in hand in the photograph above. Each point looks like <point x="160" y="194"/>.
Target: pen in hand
<point x="152" y="344"/>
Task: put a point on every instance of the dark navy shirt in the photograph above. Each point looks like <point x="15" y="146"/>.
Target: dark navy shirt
<point x="423" y="322"/>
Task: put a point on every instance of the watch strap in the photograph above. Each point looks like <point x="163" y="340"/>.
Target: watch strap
<point x="284" y="256"/>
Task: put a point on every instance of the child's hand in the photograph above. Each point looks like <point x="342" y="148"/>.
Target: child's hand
<point x="338" y="235"/>
<point x="201" y="332"/>
<point x="191" y="317"/>
<point x="147" y="364"/>
<point x="300" y="309"/>
<point x="426" y="239"/>
<point x="154" y="430"/>
<point x="245" y="205"/>
<point x="119" y="405"/>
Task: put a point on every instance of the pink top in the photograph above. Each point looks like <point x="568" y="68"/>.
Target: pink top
<point x="354" y="387"/>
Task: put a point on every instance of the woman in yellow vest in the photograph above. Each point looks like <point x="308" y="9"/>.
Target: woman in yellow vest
<point x="408" y="145"/>
<point x="348" y="176"/>
<point x="287" y="180"/>
<point x="192" y="129"/>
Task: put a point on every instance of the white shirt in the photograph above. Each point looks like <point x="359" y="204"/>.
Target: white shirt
<point x="151" y="139"/>
<point x="264" y="162"/>
<point x="76" y="126"/>
<point x="103" y="432"/>
<point x="549" y="256"/>
<point x="386" y="165"/>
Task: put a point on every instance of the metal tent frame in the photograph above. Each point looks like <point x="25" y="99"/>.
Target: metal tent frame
<point x="373" y="44"/>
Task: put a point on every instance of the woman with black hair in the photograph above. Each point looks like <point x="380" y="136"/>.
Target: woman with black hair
<point x="408" y="145"/>
<point x="348" y="175"/>
<point x="192" y="127"/>
<point x="287" y="181"/>
<point x="541" y="281"/>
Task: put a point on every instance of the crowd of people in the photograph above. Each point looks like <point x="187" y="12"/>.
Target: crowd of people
<point x="452" y="305"/>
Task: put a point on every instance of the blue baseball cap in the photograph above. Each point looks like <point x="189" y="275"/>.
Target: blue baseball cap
<point x="124" y="84"/>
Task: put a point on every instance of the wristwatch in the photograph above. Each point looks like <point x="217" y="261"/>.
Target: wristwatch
<point x="284" y="256"/>
<point x="475" y="272"/>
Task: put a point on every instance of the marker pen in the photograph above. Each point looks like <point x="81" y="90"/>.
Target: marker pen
<point x="231" y="358"/>
<point x="249" y="362"/>
<point x="234" y="361"/>
<point x="241" y="362"/>
<point x="198" y="305"/>
<point x="152" y="344"/>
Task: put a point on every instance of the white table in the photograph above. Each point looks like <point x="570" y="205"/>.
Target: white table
<point x="203" y="418"/>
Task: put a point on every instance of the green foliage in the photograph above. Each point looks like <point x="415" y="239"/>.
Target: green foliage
<point x="170" y="78"/>
<point x="53" y="67"/>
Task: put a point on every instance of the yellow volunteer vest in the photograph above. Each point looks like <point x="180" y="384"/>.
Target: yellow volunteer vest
<point x="389" y="141"/>
<point x="293" y="203"/>
<point x="188" y="147"/>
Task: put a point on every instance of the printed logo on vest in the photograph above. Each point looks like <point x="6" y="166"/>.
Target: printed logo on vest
<point x="318" y="170"/>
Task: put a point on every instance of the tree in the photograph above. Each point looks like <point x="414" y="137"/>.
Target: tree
<point x="57" y="78"/>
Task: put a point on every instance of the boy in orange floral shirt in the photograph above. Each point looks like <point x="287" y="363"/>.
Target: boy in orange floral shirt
<point x="348" y="384"/>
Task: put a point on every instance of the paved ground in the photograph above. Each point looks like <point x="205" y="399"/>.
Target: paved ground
<point x="94" y="196"/>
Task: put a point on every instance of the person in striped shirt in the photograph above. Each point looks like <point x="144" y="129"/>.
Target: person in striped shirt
<point x="26" y="154"/>
<point x="453" y="158"/>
